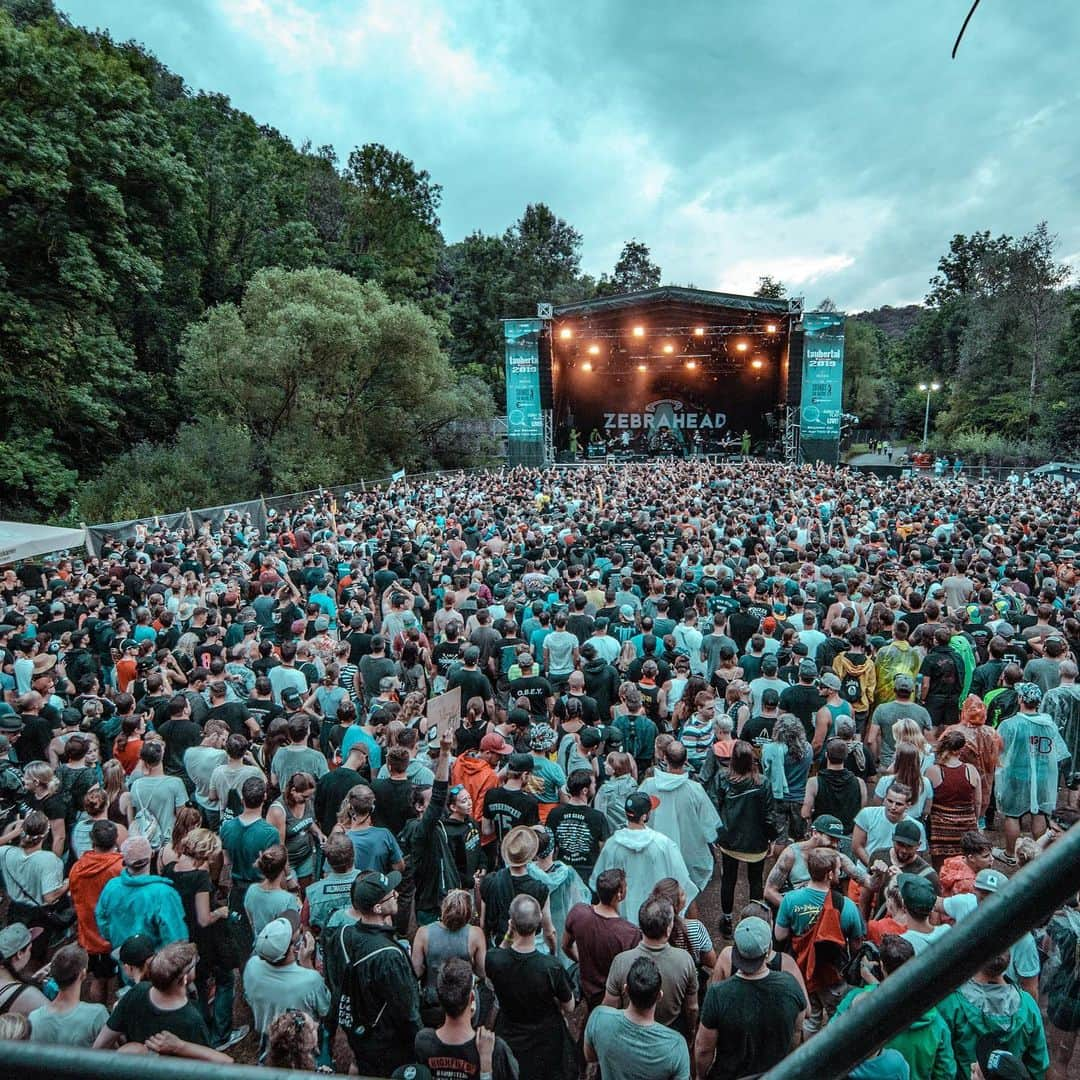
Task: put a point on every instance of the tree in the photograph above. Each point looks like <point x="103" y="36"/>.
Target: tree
<point x="864" y="377"/>
<point x="769" y="288"/>
<point x="544" y="259"/>
<point x="327" y="375"/>
<point x="826" y="304"/>
<point x="634" y="271"/>
<point x="479" y="271"/>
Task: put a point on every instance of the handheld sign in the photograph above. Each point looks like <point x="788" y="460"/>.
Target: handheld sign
<point x="445" y="710"/>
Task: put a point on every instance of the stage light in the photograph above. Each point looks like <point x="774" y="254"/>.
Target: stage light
<point x="771" y="328"/>
<point x="742" y="346"/>
<point x="594" y="350"/>
<point x="699" y="331"/>
<point x="565" y="333"/>
<point x="691" y="364"/>
<point x="587" y="366"/>
<point x="669" y="348"/>
<point x="756" y="363"/>
<point x="639" y="331"/>
<point x="643" y="367"/>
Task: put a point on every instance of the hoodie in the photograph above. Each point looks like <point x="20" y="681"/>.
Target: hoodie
<point x="477" y="777"/>
<point x="857" y="664"/>
<point x="1002" y="1010"/>
<point x="925" y="1044"/>
<point x="611" y="797"/>
<point x="90" y="874"/>
<point x="687" y="815"/>
<point x="141" y="904"/>
<point x="646" y="856"/>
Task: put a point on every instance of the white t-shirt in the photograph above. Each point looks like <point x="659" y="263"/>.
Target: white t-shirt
<point x="879" y="829"/>
<point x="920" y="940"/>
<point x="28" y="878"/>
<point x="886" y="782"/>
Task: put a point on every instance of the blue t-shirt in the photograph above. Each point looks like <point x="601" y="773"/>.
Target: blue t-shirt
<point x="375" y="849"/>
<point x="799" y="909"/>
<point x="357" y="734"/>
<point x="551" y="777"/>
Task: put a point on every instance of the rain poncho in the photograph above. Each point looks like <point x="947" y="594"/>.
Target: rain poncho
<point x="646" y="856"/>
<point x="565" y="889"/>
<point x="1027" y="777"/>
<point x="687" y="815"/>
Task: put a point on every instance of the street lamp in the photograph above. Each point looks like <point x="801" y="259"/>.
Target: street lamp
<point x="928" y="389"/>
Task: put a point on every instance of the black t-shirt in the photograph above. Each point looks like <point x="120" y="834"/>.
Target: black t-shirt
<point x="54" y="807"/>
<point x="180" y="735"/>
<point x="189" y="883"/>
<point x="534" y="687"/>
<point x="330" y="789"/>
<point x="136" y="1017"/>
<point x="473" y="684"/>
<point x="261" y="711"/>
<point x="943" y="672"/>
<point x="579" y="833"/>
<point x="393" y="803"/>
<point x="803" y="702"/>
<point x="33" y="744"/>
<point x="528" y="985"/>
<point x="506" y="808"/>
<point x="498" y="890"/>
<point x="757" y="726"/>
<point x="755" y="1021"/>
<point x="235" y="715"/>
<point x="445" y="655"/>
<point x="461" y="1061"/>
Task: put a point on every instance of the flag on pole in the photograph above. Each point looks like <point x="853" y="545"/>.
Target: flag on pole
<point x="399" y="475"/>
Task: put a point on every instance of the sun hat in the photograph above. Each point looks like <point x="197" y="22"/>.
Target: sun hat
<point x="520" y="845"/>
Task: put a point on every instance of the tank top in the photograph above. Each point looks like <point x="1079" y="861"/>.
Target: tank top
<point x="298" y="841"/>
<point x="838" y="794"/>
<point x="443" y="945"/>
<point x="955" y="789"/>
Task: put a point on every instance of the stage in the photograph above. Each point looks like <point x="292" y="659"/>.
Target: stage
<point x="671" y="373"/>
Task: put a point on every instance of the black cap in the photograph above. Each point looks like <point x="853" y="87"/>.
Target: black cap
<point x="520" y="763"/>
<point x="371" y="888"/>
<point x="136" y="950"/>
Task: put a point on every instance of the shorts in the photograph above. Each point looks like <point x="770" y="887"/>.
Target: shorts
<point x="101" y="966"/>
<point x="790" y="820"/>
<point x="823" y="1004"/>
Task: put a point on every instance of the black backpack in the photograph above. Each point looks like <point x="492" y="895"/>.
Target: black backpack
<point x="851" y="689"/>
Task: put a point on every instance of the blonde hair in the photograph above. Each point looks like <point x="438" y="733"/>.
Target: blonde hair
<point x="456" y="909"/>
<point x="113" y="778"/>
<point x="14" y="1027"/>
<point x="1026" y="850"/>
<point x="908" y="730"/>
<point x="201" y="844"/>
<point x="41" y="773"/>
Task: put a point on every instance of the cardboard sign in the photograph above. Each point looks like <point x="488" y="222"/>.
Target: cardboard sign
<point x="445" y="710"/>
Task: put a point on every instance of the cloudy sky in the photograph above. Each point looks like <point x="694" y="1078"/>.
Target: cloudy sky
<point x="830" y="143"/>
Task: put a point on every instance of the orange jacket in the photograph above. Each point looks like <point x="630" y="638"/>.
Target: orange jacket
<point x="88" y="877"/>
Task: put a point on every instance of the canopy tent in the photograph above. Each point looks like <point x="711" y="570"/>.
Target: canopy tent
<point x="19" y="540"/>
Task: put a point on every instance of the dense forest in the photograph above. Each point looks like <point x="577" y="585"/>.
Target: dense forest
<point x="193" y="309"/>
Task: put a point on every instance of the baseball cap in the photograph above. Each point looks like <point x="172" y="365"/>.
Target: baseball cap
<point x="627" y="611"/>
<point x="494" y="743"/>
<point x="10" y="721"/>
<point x="831" y="680"/>
<point x="1029" y="693"/>
<point x="807" y="669"/>
<point x="525" y="658"/>
<point x="828" y="825"/>
<point x="136" y="950"/>
<point x="136" y="851"/>
<point x="903" y="682"/>
<point x="520" y="717"/>
<point x="639" y="804"/>
<point x="290" y="698"/>
<point x="917" y="893"/>
<point x="997" y="1062"/>
<point x="591" y="736"/>
<point x="276" y="937"/>
<point x="907" y="832"/>
<point x="371" y="888"/>
<point x="520" y="763"/>
<point x="990" y="881"/>
<point x="15" y="938"/>
<point x="752" y="940"/>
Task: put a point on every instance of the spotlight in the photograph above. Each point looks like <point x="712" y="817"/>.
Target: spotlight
<point x="587" y="366"/>
<point x="691" y="364"/>
<point x="757" y="363"/>
<point x="771" y="328"/>
<point x="699" y="331"/>
<point x="742" y="346"/>
<point x="669" y="348"/>
<point x="565" y="333"/>
<point x="643" y="367"/>
<point x="594" y="350"/>
<point x="639" y="331"/>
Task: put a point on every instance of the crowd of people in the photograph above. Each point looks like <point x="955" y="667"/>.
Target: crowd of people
<point x="653" y="767"/>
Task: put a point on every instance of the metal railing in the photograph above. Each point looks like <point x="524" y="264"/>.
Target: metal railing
<point x="999" y="921"/>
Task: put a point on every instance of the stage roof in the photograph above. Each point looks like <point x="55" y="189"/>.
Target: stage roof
<point x="676" y="295"/>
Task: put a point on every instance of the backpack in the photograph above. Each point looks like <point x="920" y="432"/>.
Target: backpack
<point x="822" y="950"/>
<point x="144" y="823"/>
<point x="851" y="689"/>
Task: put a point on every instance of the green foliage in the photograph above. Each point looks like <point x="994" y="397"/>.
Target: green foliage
<point x="634" y="271"/>
<point x="769" y="288"/>
<point x="325" y="372"/>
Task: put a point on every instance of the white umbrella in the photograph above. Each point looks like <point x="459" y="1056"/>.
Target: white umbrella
<point x="19" y="540"/>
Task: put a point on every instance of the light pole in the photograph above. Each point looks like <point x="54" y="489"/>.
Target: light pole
<point x="928" y="389"/>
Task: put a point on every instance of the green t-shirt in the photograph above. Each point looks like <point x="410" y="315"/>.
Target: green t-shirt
<point x="76" y="1027"/>
<point x="244" y="843"/>
<point x="629" y="1051"/>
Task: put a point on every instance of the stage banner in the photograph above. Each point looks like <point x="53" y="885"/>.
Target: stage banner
<point x="822" y="385"/>
<point x="524" y="420"/>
